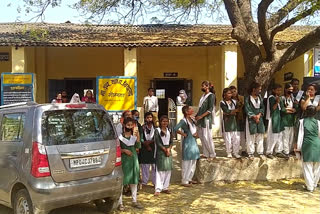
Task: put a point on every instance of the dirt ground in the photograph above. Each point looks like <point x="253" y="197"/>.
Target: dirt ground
<point x="241" y="197"/>
<point x="285" y="196"/>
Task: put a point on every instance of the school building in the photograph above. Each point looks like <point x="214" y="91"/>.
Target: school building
<point x="168" y="57"/>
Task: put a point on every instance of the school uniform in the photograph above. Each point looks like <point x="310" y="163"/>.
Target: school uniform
<point x="190" y="149"/>
<point x="254" y="131"/>
<point x="230" y="127"/>
<point x="163" y="163"/>
<point x="130" y="165"/>
<point x="275" y="126"/>
<point x="309" y="145"/>
<point x="241" y="123"/>
<point x="146" y="158"/>
<point x="288" y="121"/>
<point x="206" y="104"/>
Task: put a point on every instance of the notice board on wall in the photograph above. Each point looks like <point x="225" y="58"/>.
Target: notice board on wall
<point x="117" y="94"/>
<point x="16" y="88"/>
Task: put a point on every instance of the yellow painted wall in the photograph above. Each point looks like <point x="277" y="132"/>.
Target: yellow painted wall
<point x="296" y="67"/>
<point x="84" y="62"/>
<point x="196" y="63"/>
<point x="5" y="66"/>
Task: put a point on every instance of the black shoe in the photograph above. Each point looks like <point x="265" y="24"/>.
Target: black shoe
<point x="270" y="156"/>
<point x="281" y="155"/>
<point x="244" y="154"/>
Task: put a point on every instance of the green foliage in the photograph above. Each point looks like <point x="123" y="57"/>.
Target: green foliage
<point x="36" y="34"/>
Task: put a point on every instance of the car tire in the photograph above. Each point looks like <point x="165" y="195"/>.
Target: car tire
<point x="105" y="205"/>
<point x="22" y="203"/>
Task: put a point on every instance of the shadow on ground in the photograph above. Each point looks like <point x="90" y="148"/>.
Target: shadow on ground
<point x="286" y="196"/>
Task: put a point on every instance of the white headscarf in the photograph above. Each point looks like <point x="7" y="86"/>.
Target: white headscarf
<point x="182" y="98"/>
<point x="75" y="98"/>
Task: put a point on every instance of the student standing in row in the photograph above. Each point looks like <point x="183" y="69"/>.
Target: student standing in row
<point x="229" y="124"/>
<point x="119" y="127"/>
<point x="190" y="150"/>
<point x="205" y="120"/>
<point x="146" y="154"/>
<point x="275" y="125"/>
<point x="254" y="125"/>
<point x="241" y="122"/>
<point x="163" y="141"/>
<point x="129" y="142"/>
<point x="309" y="146"/>
<point x="288" y="119"/>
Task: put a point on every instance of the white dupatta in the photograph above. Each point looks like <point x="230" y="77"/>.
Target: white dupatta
<point x="213" y="113"/>
<point x="268" y="114"/>
<point x="129" y="142"/>
<point x="192" y="126"/>
<point x="149" y="136"/>
<point x="166" y="138"/>
<point x="203" y="98"/>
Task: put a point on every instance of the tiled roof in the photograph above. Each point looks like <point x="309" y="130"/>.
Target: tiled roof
<point x="75" y="35"/>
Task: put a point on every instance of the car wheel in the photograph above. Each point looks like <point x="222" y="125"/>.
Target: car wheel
<point x="105" y="205"/>
<point x="22" y="203"/>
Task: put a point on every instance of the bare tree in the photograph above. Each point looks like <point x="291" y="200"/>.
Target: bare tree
<point x="255" y="24"/>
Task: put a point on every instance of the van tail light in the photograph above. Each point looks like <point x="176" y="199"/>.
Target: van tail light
<point x="118" y="156"/>
<point x="40" y="163"/>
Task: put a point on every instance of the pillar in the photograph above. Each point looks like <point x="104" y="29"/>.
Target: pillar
<point x="18" y="60"/>
<point x="41" y="86"/>
<point x="229" y="65"/>
<point x="130" y="62"/>
<point x="308" y="64"/>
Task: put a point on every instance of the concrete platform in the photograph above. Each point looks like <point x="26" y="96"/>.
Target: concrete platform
<point x="229" y="170"/>
<point x="225" y="169"/>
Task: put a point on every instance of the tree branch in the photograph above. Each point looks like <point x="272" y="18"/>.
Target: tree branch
<point x="234" y="13"/>
<point x="293" y="20"/>
<point x="276" y="18"/>
<point x="263" y="28"/>
<point x="300" y="47"/>
<point x="245" y="8"/>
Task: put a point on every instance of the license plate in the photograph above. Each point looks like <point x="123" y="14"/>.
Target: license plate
<point x="89" y="161"/>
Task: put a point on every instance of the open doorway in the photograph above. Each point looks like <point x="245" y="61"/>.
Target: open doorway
<point x="169" y="88"/>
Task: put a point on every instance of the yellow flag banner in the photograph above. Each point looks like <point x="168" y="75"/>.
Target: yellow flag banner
<point x="117" y="93"/>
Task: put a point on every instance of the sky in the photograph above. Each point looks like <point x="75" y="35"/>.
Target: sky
<point x="66" y="13"/>
<point x="52" y="15"/>
<point x="56" y="15"/>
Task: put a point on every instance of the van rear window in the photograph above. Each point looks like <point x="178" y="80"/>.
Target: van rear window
<point x="76" y="126"/>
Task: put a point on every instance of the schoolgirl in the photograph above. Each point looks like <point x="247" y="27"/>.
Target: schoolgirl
<point x="163" y="141"/>
<point x="129" y="142"/>
<point x="229" y="124"/>
<point x="288" y="119"/>
<point x="146" y="155"/>
<point x="308" y="146"/>
<point x="254" y="122"/>
<point x="275" y="125"/>
<point x="190" y="149"/>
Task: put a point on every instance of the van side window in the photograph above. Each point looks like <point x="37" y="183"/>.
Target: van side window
<point x="12" y="127"/>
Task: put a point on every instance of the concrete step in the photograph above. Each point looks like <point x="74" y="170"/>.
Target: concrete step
<point x="230" y="169"/>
